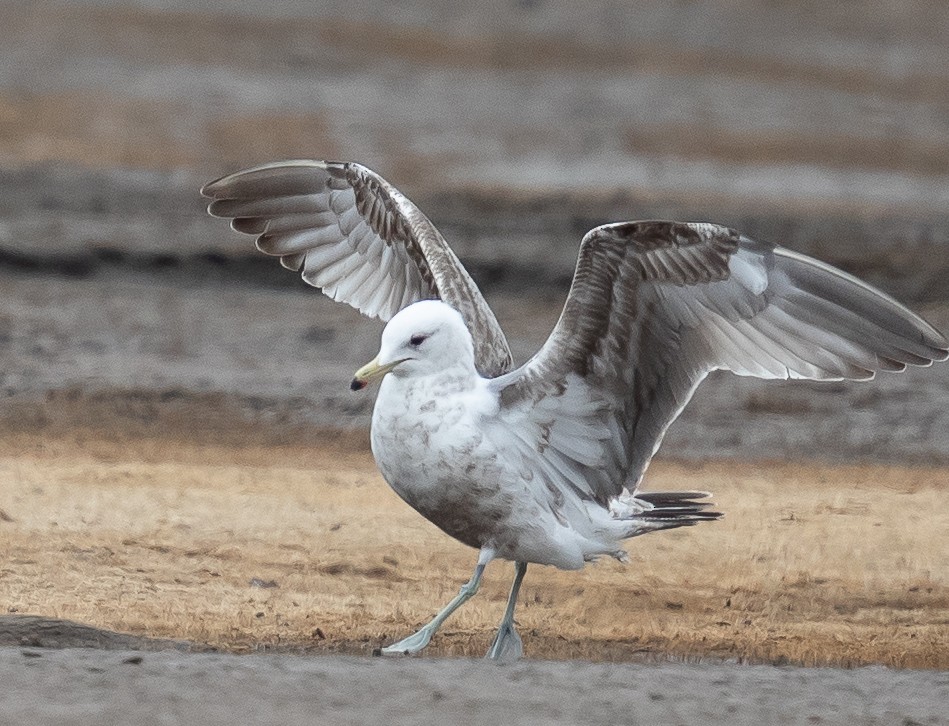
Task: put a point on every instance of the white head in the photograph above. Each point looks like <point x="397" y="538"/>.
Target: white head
<point x="425" y="338"/>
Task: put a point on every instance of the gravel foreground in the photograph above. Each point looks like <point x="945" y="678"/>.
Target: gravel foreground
<point x="79" y="686"/>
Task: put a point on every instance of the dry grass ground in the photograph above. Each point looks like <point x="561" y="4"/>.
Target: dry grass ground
<point x="813" y="564"/>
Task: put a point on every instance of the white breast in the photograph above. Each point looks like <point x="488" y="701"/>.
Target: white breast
<point x="427" y="439"/>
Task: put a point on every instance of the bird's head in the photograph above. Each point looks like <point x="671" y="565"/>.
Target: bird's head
<point x="426" y="338"/>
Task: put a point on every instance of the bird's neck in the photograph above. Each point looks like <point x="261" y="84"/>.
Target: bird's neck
<point x="445" y="382"/>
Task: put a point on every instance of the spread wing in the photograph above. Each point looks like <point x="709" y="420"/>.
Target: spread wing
<point x="351" y="233"/>
<point x="654" y="307"/>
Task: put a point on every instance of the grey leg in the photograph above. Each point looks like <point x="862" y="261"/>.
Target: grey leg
<point x="415" y="642"/>
<point x="507" y="643"/>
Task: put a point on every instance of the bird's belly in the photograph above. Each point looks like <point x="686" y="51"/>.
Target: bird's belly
<point x="445" y="474"/>
<point x="472" y="499"/>
<point x="446" y="469"/>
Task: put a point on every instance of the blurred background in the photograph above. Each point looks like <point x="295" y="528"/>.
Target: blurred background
<point x="515" y="125"/>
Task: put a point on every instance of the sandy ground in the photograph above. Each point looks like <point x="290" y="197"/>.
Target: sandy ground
<point x="304" y="552"/>
<point x="306" y="549"/>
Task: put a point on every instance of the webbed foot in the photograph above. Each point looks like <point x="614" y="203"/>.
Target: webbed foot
<point x="507" y="646"/>
<point x="410" y="645"/>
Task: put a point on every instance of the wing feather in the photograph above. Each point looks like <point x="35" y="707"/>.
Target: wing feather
<point x="655" y="306"/>
<point x="293" y="262"/>
<point x="291" y="242"/>
<point x="338" y="222"/>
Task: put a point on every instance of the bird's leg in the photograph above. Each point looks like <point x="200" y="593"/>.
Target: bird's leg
<point x="507" y="643"/>
<point x="415" y="642"/>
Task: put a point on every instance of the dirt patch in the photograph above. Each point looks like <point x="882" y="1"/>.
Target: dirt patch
<point x="38" y="632"/>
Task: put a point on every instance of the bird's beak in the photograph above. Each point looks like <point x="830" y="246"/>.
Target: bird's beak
<point x="369" y="372"/>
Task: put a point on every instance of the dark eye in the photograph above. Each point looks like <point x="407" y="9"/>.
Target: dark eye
<point x="417" y="340"/>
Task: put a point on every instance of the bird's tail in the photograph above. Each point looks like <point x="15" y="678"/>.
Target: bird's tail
<point x="667" y="510"/>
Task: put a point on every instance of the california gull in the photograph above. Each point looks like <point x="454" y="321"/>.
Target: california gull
<point x="542" y="463"/>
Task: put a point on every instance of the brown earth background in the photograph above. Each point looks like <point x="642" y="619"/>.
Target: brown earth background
<point x="181" y="459"/>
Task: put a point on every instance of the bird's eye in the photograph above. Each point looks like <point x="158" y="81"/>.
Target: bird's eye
<point x="417" y="340"/>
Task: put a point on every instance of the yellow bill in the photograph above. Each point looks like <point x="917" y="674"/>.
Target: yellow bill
<point x="369" y="372"/>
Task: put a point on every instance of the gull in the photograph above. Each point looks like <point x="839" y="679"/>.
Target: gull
<point x="542" y="463"/>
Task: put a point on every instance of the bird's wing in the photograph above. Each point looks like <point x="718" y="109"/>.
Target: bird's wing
<point x="655" y="306"/>
<point x="351" y="233"/>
